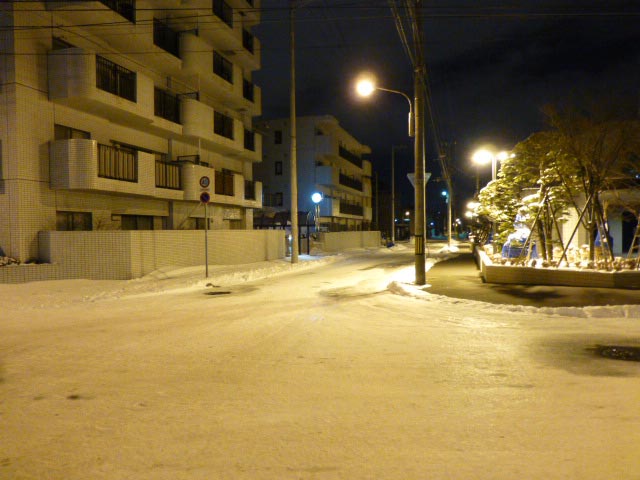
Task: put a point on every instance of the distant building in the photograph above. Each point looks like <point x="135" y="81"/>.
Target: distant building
<point x="329" y="161"/>
<point x="113" y="112"/>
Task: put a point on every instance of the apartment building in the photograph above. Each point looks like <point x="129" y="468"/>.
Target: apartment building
<point x="329" y="161"/>
<point x="118" y="115"/>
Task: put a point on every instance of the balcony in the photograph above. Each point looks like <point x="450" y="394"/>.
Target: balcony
<point x="85" y="165"/>
<point x="350" y="182"/>
<point x="349" y="156"/>
<point x="226" y="36"/>
<point x="229" y="92"/>
<point x="94" y="12"/>
<point x="227" y="188"/>
<point x="87" y="82"/>
<point x="167" y="175"/>
<point x="351" y="209"/>
<point x="198" y="122"/>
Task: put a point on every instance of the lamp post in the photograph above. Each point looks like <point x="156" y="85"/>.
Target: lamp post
<point x="316" y="198"/>
<point x="482" y="157"/>
<point x="447" y="200"/>
<point x="365" y="87"/>
<point x="393" y="190"/>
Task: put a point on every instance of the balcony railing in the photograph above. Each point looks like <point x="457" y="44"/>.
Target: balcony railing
<point x="224" y="183"/>
<point x="115" y="79"/>
<point x="351" y="157"/>
<point x="350" y="209"/>
<point x="249" y="140"/>
<point x="117" y="164"/>
<point x="166" y="38"/>
<point x="247" y="40"/>
<point x="166" y="105"/>
<point x="167" y="175"/>
<point x="223" y="11"/>
<point x="249" y="190"/>
<point x="350" y="182"/>
<point x="126" y="8"/>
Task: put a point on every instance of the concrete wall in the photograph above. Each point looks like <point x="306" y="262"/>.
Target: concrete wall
<point x="338" y="241"/>
<point x="555" y="276"/>
<point x="122" y="255"/>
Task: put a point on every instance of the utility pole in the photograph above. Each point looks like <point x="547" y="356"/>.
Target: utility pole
<point x="294" y="146"/>
<point x="393" y="189"/>
<point x="419" y="113"/>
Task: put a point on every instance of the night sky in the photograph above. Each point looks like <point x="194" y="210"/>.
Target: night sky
<point x="491" y="69"/>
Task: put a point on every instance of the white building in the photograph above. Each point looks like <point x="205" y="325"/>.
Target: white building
<point x="329" y="161"/>
<point x="112" y="111"/>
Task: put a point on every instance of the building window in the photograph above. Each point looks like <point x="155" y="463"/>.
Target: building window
<point x="278" y="165"/>
<point x="166" y="38"/>
<point x="223" y="11"/>
<point x="277" y="200"/>
<point x="166" y="105"/>
<point x="247" y="89"/>
<point x="118" y="163"/>
<point x="73" y="221"/>
<point x="222" y="67"/>
<point x="115" y="79"/>
<point x="62" y="132"/>
<point x="126" y="8"/>
<point x="136" y="222"/>
<point x="277" y="137"/>
<point x="223" y="125"/>
<point x="224" y="182"/>
<point x="249" y="140"/>
<point x="247" y="40"/>
<point x="249" y="190"/>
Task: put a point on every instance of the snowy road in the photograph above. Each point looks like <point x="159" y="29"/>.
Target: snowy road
<point x="319" y="373"/>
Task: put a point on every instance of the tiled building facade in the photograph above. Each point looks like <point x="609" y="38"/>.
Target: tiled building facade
<point x="329" y="161"/>
<point x="112" y="112"/>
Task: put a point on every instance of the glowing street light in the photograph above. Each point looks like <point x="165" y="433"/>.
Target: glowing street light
<point x="316" y="198"/>
<point x="484" y="156"/>
<point x="366" y="85"/>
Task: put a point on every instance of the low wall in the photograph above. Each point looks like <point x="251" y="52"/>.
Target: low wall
<point x="339" y="241"/>
<point x="123" y="255"/>
<point x="492" y="273"/>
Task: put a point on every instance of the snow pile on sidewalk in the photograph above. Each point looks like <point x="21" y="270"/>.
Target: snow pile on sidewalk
<point x="60" y="293"/>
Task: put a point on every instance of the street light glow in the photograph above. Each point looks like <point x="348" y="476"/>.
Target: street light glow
<point x="365" y="87"/>
<point x="316" y="197"/>
<point x="482" y="157"/>
<point x="502" y="156"/>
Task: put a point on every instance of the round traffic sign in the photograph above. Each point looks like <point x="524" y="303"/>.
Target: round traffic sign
<point x="205" y="197"/>
<point x="204" y="181"/>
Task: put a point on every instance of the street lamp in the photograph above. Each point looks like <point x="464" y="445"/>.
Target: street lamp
<point x="484" y="156"/>
<point x="316" y="198"/>
<point x="445" y="194"/>
<point x="393" y="191"/>
<point x="365" y="86"/>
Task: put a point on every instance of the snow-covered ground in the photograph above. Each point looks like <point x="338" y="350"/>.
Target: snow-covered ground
<point x="334" y="368"/>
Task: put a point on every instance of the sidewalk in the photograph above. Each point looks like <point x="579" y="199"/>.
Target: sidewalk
<point x="460" y="278"/>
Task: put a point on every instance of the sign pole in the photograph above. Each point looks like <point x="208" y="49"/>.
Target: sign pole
<point x="205" y="198"/>
<point x="206" y="245"/>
